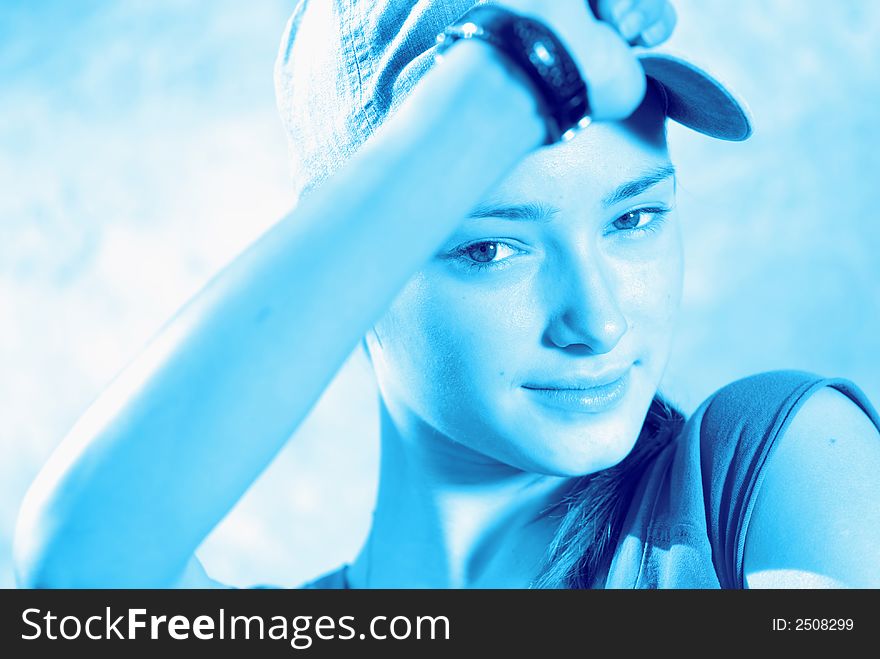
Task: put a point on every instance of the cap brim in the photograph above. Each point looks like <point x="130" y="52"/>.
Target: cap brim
<point x="697" y="100"/>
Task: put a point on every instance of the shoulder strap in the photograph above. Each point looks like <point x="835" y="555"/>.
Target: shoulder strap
<point x="739" y="428"/>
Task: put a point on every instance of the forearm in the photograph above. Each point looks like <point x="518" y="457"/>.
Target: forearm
<point x="179" y="436"/>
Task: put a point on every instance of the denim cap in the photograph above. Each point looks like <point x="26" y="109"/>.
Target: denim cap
<point x="344" y="66"/>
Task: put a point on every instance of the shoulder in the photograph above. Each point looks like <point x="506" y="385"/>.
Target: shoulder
<point x="815" y="518"/>
<point x="749" y="416"/>
<point x="760" y="393"/>
<point x="737" y="427"/>
<point x="778" y="492"/>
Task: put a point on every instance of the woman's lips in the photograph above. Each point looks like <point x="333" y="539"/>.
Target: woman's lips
<point x="589" y="400"/>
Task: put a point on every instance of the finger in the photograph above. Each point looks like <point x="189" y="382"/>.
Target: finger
<point x="615" y="79"/>
<point x="631" y="17"/>
<point x="611" y="11"/>
<point x="659" y="31"/>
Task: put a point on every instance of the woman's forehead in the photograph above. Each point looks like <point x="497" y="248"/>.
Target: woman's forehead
<point x="585" y="170"/>
<point x="599" y="158"/>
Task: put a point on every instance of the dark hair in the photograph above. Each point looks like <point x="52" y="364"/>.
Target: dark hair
<point x="596" y="505"/>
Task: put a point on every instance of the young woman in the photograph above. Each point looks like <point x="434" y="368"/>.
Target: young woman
<point x="516" y="295"/>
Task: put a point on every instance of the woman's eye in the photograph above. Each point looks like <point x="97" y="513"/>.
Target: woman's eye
<point x="482" y="252"/>
<point x="486" y="253"/>
<point x="639" y="219"/>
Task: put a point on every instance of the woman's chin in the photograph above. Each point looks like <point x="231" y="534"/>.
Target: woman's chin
<point x="568" y="444"/>
<point x="586" y="457"/>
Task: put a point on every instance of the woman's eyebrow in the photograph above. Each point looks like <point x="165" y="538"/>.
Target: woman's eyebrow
<point x="541" y="212"/>
<point x="637" y="186"/>
<point x="534" y="211"/>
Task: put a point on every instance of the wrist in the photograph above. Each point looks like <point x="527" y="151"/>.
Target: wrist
<point x="487" y="79"/>
<point x="476" y="99"/>
<point x="539" y="56"/>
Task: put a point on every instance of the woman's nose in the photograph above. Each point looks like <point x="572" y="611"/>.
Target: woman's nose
<point x="587" y="313"/>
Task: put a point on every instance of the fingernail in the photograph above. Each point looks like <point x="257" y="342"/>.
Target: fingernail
<point x="620" y="10"/>
<point x="631" y="25"/>
<point x="654" y="34"/>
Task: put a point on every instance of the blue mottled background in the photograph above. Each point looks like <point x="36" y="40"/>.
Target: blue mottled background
<point x="139" y="151"/>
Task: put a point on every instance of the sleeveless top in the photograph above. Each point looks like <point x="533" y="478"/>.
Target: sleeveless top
<point x="686" y="525"/>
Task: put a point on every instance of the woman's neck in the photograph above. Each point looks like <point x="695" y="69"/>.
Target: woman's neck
<point x="448" y="517"/>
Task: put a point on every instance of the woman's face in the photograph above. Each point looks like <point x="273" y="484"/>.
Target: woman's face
<point x="567" y="278"/>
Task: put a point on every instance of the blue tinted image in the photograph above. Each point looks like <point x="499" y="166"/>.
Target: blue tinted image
<point x="299" y="294"/>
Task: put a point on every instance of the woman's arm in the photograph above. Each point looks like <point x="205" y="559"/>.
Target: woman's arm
<point x="169" y="447"/>
<point x="176" y="439"/>
<point x="816" y="520"/>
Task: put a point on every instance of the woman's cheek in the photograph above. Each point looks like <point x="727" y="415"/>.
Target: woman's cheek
<point x="650" y="286"/>
<point x="483" y="325"/>
<point x="441" y="340"/>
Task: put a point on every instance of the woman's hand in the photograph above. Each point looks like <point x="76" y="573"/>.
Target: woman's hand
<point x="599" y="35"/>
